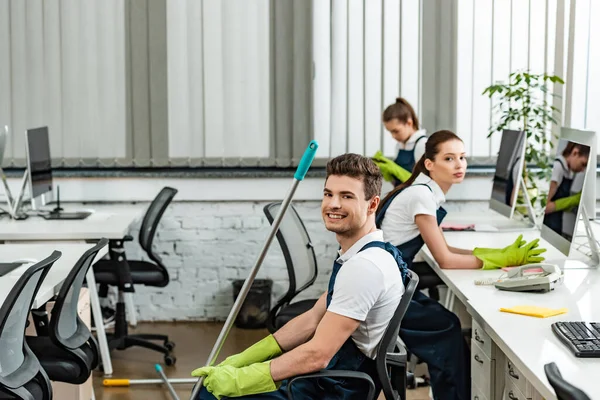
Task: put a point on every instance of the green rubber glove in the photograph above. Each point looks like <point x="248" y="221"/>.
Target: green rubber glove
<point x="264" y="350"/>
<point x="235" y="382"/>
<point x="567" y="202"/>
<point x="389" y="169"/>
<point x="511" y="256"/>
<point x="515" y="245"/>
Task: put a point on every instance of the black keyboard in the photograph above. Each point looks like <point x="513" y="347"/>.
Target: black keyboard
<point x="582" y="338"/>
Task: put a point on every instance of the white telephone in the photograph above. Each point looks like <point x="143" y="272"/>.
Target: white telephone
<point x="531" y="278"/>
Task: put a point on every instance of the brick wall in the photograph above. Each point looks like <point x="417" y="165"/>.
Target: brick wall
<point x="207" y="245"/>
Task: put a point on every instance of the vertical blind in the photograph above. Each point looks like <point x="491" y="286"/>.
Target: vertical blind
<point x="62" y="65"/>
<point x="229" y="83"/>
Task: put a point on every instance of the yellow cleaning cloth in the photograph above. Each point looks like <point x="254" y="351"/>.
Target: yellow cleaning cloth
<point x="534" y="311"/>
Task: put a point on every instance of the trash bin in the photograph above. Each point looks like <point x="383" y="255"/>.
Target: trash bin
<point x="256" y="307"/>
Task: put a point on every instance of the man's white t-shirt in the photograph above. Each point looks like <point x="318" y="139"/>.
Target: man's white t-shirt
<point x="413" y="143"/>
<point x="399" y="225"/>
<point x="368" y="288"/>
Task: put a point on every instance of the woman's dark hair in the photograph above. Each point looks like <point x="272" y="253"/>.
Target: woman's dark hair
<point x="402" y="111"/>
<point x="582" y="148"/>
<point x="432" y="148"/>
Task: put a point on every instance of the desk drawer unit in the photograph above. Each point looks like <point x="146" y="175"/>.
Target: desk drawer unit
<point x="516" y="378"/>
<point x="482" y="339"/>
<point x="476" y="394"/>
<point x="512" y="392"/>
<point x="482" y="376"/>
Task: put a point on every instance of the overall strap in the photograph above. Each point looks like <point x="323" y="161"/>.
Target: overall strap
<point x="381" y="214"/>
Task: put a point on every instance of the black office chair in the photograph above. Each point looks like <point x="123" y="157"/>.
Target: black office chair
<point x="301" y="263"/>
<point x="563" y="389"/>
<point x="21" y="375"/>
<point x="390" y="360"/>
<point x="118" y="271"/>
<point x="69" y="353"/>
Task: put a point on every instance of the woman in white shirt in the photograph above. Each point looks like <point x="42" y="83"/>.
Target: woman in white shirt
<point x="409" y="217"/>
<point x="401" y="121"/>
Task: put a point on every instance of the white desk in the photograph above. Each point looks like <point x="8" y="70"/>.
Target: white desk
<point x="71" y="252"/>
<point x="525" y="343"/>
<point x="107" y="221"/>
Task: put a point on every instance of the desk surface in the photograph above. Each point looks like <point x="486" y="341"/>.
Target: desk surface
<point x="71" y="252"/>
<point x="528" y="342"/>
<point x="109" y="221"/>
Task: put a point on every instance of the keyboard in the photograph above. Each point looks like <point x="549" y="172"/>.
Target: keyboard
<point x="582" y="338"/>
<point x="6" y="268"/>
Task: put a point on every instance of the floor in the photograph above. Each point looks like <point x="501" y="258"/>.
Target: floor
<point x="194" y="341"/>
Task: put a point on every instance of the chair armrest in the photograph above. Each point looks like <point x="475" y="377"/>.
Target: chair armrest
<point x="398" y="358"/>
<point x="335" y="374"/>
<point x="128" y="238"/>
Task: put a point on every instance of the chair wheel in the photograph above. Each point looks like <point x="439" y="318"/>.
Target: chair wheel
<point x="170" y="360"/>
<point x="169" y="345"/>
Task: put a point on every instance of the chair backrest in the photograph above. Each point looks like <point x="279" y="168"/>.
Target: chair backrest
<point x="387" y="344"/>
<point x="152" y="218"/>
<point x="297" y="249"/>
<point x="18" y="364"/>
<point x="563" y="389"/>
<point x="66" y="328"/>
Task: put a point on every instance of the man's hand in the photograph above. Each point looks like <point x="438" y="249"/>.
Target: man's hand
<point x="235" y="382"/>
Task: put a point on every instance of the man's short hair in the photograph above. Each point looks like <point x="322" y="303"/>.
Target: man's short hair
<point x="359" y="167"/>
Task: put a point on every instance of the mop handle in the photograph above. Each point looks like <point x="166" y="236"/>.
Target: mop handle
<point x="164" y="378"/>
<point x="130" y="382"/>
<point x="303" y="166"/>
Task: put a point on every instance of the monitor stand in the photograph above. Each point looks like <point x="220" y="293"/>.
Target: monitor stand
<point x="593" y="262"/>
<point x="15" y="205"/>
<point x="58" y="213"/>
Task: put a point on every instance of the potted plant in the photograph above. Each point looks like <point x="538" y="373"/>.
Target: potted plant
<point x="524" y="103"/>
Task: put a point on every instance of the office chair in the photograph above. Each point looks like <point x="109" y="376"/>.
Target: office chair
<point x="69" y="353"/>
<point x="563" y="389"/>
<point x="21" y="375"/>
<point x="390" y="359"/>
<point x="123" y="273"/>
<point x="301" y="263"/>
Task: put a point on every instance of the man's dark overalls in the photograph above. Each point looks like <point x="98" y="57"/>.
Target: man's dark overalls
<point x="348" y="358"/>
<point x="433" y="333"/>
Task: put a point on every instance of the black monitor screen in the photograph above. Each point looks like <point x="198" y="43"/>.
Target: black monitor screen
<point x="38" y="161"/>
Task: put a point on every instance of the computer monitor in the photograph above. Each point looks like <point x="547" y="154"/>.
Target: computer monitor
<point x="573" y="156"/>
<point x="39" y="165"/>
<point x="509" y="167"/>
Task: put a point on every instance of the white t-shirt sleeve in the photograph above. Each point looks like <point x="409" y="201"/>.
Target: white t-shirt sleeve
<point x="358" y="286"/>
<point x="557" y="172"/>
<point x="420" y="201"/>
<point x="419" y="148"/>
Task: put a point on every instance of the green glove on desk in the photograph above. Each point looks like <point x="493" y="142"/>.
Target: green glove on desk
<point x="235" y="382"/>
<point x="510" y="256"/>
<point x="389" y="169"/>
<point x="567" y="202"/>
<point x="265" y="349"/>
<point x="515" y="245"/>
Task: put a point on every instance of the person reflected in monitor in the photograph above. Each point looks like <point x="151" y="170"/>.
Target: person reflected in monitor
<point x="561" y="199"/>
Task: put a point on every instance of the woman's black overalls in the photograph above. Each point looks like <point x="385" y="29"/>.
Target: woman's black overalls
<point x="348" y="358"/>
<point x="433" y="333"/>
<point x="406" y="159"/>
<point x="555" y="220"/>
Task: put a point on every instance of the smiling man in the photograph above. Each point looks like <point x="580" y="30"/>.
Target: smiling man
<point x="344" y="327"/>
